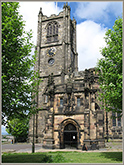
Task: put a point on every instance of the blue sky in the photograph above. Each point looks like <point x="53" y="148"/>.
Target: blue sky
<point x="99" y="12"/>
<point x="93" y="20"/>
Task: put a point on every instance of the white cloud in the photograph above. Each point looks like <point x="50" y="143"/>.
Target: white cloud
<point x="90" y="38"/>
<point x="30" y="11"/>
<point x="98" y="10"/>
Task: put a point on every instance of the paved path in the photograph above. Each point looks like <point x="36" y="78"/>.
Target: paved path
<point x="27" y="147"/>
<point x="20" y="147"/>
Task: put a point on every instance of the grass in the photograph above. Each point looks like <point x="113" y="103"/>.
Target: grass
<point x="63" y="157"/>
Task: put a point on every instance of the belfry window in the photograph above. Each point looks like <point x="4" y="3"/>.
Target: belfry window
<point x="52" y="32"/>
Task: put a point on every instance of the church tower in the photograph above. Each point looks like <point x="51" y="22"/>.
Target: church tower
<point x="56" y="43"/>
<point x="66" y="97"/>
<point x="68" y="114"/>
<point x="56" y="54"/>
<point x="56" y="47"/>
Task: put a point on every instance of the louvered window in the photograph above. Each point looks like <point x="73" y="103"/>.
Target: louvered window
<point x="52" y="32"/>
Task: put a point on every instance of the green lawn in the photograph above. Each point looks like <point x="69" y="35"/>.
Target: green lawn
<point x="63" y="157"/>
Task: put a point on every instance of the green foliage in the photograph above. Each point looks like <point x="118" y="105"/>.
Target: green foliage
<point x="110" y="69"/>
<point x="18" y="128"/>
<point x="17" y="64"/>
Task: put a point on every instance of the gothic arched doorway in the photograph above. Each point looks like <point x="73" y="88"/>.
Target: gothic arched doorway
<point x="69" y="133"/>
<point x="70" y="136"/>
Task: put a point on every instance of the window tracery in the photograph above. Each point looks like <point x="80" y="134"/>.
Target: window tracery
<point x="52" y="32"/>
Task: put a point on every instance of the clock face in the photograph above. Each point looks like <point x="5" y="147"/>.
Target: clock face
<point x="51" y="52"/>
<point x="51" y="61"/>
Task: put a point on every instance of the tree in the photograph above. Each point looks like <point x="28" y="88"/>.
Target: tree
<point x="110" y="69"/>
<point x="17" y="64"/>
<point x="18" y="128"/>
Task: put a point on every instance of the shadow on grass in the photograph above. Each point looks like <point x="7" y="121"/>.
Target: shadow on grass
<point x="114" y="156"/>
<point x="26" y="158"/>
<point x="32" y="158"/>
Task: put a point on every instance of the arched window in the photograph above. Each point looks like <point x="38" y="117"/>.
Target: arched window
<point x="52" y="32"/>
<point x="61" y="102"/>
<point x="116" y="119"/>
<point x="78" y="101"/>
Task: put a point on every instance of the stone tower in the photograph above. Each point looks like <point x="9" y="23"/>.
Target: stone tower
<point x="56" y="47"/>
<point x="56" y="54"/>
<point x="69" y="112"/>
